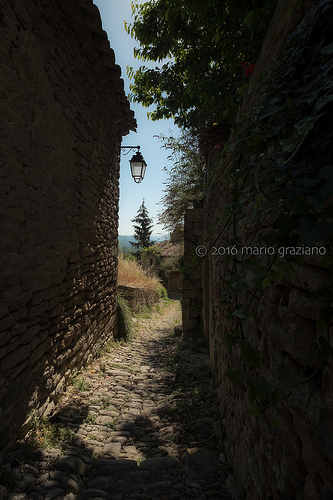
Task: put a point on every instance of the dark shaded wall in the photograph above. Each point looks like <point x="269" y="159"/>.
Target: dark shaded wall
<point x="62" y="115"/>
<point x="277" y="354"/>
<point x="192" y="294"/>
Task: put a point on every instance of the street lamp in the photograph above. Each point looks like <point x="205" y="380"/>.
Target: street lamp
<point x="137" y="163"/>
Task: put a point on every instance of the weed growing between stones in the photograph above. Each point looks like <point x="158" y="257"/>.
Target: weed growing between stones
<point x="146" y="312"/>
<point x="124" y="320"/>
<point x="44" y="434"/>
<point x="106" y="402"/>
<point x="112" y="424"/>
<point x="79" y="383"/>
<point x="145" y="419"/>
<point x="90" y="418"/>
<point x="121" y="367"/>
<point x="108" y="346"/>
<point x="103" y="367"/>
<point x="163" y="304"/>
<point x="171" y="363"/>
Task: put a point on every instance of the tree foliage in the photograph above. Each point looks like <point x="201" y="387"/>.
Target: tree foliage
<point x="202" y="46"/>
<point x="142" y="228"/>
<point x="185" y="184"/>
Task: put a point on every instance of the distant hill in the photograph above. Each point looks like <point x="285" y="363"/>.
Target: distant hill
<point x="124" y="241"/>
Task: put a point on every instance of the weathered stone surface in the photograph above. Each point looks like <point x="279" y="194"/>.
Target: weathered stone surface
<point x="15" y="357"/>
<point x="104" y="467"/>
<point x="157" y="463"/>
<point x="112" y="449"/>
<point x="71" y="464"/>
<point x="288" y="333"/>
<point x="201" y="463"/>
<point x="138" y="298"/>
<point x="58" y="198"/>
<point x="3" y="493"/>
<point x="93" y="493"/>
<point x="192" y="277"/>
<point x="178" y="331"/>
<point x="304" y="304"/>
<point x="161" y="431"/>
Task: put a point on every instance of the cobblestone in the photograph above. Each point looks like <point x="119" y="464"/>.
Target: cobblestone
<point x="142" y="418"/>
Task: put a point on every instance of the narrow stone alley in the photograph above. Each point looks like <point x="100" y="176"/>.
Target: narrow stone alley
<point x="141" y="422"/>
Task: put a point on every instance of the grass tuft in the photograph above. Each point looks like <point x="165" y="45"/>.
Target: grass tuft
<point x="44" y="434"/>
<point x="124" y="320"/>
<point x="130" y="273"/>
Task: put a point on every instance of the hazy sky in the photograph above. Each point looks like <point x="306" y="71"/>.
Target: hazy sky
<point x="113" y="14"/>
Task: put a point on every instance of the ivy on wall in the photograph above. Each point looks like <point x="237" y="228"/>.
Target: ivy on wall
<point x="280" y="165"/>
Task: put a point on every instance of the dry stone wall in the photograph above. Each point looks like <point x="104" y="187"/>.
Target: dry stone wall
<point x="192" y="274"/>
<point x="63" y="112"/>
<point x="138" y="298"/>
<point x="286" y="452"/>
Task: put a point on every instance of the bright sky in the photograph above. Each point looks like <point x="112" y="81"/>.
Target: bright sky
<point x="113" y="14"/>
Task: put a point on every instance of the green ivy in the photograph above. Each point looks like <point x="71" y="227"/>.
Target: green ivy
<point x="285" y="145"/>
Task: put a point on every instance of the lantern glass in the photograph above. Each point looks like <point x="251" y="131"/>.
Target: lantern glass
<point x="138" y="167"/>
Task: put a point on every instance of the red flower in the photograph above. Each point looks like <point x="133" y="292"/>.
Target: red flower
<point x="250" y="69"/>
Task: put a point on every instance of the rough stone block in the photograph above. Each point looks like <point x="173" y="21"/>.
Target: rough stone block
<point x="29" y="334"/>
<point x="15" y="357"/>
<point x="59" y="199"/>
<point x="40" y="350"/>
<point x="4" y="338"/>
<point x="303" y="304"/>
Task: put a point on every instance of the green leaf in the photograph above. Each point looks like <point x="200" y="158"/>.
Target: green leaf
<point x="260" y="277"/>
<point x="304" y="126"/>
<point x="224" y="298"/>
<point x="267" y="282"/>
<point x="288" y="145"/>
<point x="236" y="283"/>
<point x="328" y="50"/>
<point x="251" y="356"/>
<point x="240" y="313"/>
<point x="231" y="338"/>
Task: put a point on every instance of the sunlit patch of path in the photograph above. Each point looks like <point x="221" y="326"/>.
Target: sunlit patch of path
<point x="137" y="424"/>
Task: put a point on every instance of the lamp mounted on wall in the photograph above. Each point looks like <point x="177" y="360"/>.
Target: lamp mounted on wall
<point x="137" y="163"/>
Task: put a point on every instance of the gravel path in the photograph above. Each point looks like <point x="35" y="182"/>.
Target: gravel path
<point x="140" y="423"/>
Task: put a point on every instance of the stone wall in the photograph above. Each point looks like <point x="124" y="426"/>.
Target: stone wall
<point x="192" y="275"/>
<point x="287" y="451"/>
<point x="138" y="298"/>
<point x="62" y="112"/>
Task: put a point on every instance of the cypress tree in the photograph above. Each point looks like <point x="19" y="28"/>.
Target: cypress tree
<point x="143" y="228"/>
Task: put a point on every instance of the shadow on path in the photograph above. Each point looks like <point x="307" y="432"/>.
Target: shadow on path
<point x="142" y="423"/>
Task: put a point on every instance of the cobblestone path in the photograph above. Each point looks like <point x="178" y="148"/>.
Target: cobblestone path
<point x="137" y="424"/>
